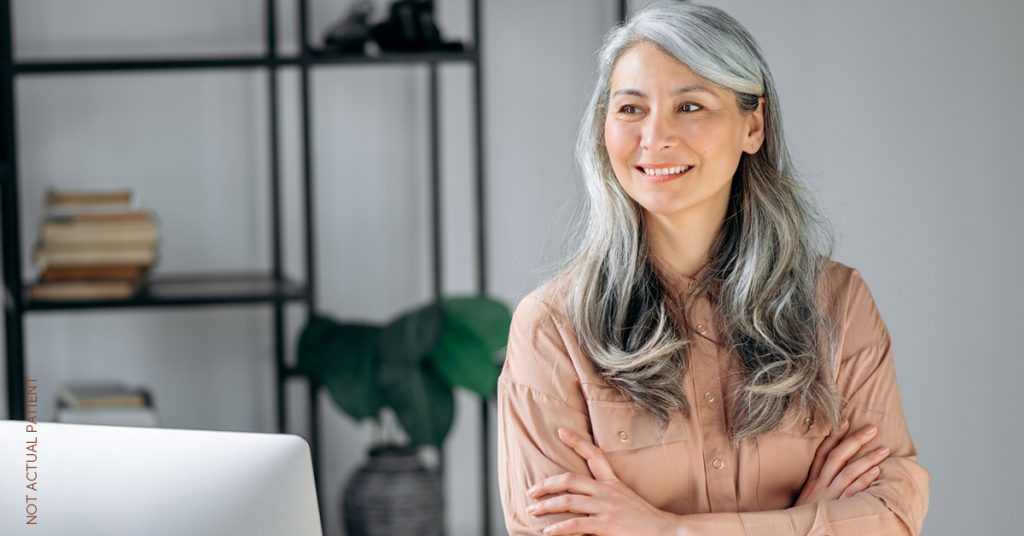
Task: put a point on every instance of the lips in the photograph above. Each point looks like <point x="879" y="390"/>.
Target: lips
<point x="663" y="173"/>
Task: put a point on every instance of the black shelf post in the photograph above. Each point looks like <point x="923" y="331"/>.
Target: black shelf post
<point x="481" y="258"/>
<point x="304" y="60"/>
<point x="278" y="331"/>
<point x="13" y="322"/>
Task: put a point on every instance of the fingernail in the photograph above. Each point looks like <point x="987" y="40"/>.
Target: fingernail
<point x="871" y="430"/>
<point x="846" y="423"/>
<point x="883" y="451"/>
<point x="531" y="508"/>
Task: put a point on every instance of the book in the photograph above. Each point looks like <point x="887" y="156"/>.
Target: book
<point x="140" y="416"/>
<point x="92" y="273"/>
<point x="94" y="395"/>
<point x="84" y="290"/>
<point x="71" y="211"/>
<point x="119" y="215"/>
<point x="69" y="203"/>
<point x="136" y="256"/>
<point x="88" y="232"/>
<point x="119" y="196"/>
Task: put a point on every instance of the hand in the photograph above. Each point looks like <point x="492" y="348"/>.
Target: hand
<point x="833" y="475"/>
<point x="608" y="506"/>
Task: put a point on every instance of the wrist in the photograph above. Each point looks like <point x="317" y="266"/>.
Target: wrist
<point x="675" y="525"/>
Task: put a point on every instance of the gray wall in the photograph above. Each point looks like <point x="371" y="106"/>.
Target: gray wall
<point x="893" y="111"/>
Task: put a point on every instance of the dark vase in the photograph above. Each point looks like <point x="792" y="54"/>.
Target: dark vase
<point x="393" y="494"/>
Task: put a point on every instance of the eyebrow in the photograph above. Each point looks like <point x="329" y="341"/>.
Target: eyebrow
<point x="700" y="88"/>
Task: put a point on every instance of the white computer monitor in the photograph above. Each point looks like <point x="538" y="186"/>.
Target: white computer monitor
<point x="83" y="480"/>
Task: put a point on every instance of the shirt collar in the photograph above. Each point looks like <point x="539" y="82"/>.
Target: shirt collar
<point x="680" y="285"/>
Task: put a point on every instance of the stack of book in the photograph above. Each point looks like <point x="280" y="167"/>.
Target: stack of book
<point x="106" y="403"/>
<point x="93" y="245"/>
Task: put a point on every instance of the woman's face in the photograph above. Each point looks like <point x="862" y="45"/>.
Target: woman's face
<point x="674" y="139"/>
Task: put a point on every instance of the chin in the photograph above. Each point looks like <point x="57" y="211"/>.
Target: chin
<point x="664" y="205"/>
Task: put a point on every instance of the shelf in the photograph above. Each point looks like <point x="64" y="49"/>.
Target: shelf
<point x="141" y="64"/>
<point x="322" y="57"/>
<point x="315" y="57"/>
<point x="189" y="289"/>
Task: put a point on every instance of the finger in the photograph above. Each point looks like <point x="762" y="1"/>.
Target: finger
<point x="858" y="467"/>
<point x="599" y="466"/>
<point x="862" y="482"/>
<point x="837" y="458"/>
<point x="576" y="504"/>
<point x="824" y="448"/>
<point x="570" y="482"/>
<point x="576" y="525"/>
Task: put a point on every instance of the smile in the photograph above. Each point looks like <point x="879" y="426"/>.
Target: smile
<point x="653" y="172"/>
<point x="663" y="174"/>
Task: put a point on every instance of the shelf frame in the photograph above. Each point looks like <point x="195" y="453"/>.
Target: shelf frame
<point x="272" y="288"/>
<point x="184" y="290"/>
<point x="268" y="61"/>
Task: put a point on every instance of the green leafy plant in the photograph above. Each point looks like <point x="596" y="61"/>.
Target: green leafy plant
<point x="410" y="365"/>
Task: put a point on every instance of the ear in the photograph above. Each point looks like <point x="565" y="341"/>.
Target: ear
<point x="755" y="128"/>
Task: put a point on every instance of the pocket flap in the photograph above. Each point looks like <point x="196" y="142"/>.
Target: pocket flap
<point x="622" y="425"/>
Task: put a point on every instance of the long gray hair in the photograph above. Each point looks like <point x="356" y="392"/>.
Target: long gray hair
<point x="764" y="266"/>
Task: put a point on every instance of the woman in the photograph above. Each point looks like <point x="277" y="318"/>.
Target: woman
<point x="690" y="369"/>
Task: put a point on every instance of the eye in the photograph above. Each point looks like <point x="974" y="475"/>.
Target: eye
<point x="628" y="109"/>
<point x="685" y="104"/>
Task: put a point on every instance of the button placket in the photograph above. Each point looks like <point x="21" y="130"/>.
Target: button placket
<point x="718" y="453"/>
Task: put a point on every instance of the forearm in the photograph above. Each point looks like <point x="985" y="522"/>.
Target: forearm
<point x="857" y="515"/>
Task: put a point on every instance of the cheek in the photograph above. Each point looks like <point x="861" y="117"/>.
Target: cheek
<point x="620" y="140"/>
<point x="707" y="138"/>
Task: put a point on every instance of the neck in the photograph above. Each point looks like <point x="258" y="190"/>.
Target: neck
<point x="683" y="241"/>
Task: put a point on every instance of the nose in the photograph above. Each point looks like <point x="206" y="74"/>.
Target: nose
<point x="658" y="133"/>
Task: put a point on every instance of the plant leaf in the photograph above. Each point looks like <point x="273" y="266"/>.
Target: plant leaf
<point x="487" y="318"/>
<point x="344" y="358"/>
<point x="312" y="342"/>
<point x="475" y="329"/>
<point x="461" y="359"/>
<point x="423" y="403"/>
<point x="405" y="341"/>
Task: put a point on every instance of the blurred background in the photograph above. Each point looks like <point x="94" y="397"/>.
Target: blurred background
<point x="900" y="117"/>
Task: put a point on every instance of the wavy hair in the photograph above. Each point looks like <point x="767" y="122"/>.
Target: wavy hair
<point x="764" y="266"/>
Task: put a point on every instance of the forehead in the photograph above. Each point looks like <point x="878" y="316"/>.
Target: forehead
<point x="646" y="67"/>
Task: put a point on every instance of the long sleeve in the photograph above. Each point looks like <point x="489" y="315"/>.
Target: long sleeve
<point x="538" y="391"/>
<point x="896" y="503"/>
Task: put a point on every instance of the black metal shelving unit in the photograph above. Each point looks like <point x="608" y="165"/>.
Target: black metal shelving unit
<point x="211" y="289"/>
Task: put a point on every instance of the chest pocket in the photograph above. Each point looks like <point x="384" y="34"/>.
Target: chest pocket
<point x="784" y="459"/>
<point x="622" y="426"/>
<point x="618" y="424"/>
<point x="654" y="463"/>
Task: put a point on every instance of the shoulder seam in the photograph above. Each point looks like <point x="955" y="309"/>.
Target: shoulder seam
<point x="542" y="394"/>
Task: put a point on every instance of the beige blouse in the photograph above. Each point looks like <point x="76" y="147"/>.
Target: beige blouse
<point x="548" y="382"/>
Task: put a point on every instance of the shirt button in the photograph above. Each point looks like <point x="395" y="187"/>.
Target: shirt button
<point x="623" y="436"/>
<point x="701" y="329"/>
<point x="718" y="463"/>
<point x="710" y="397"/>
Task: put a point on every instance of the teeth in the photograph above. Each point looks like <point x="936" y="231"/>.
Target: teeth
<point x="666" y="171"/>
